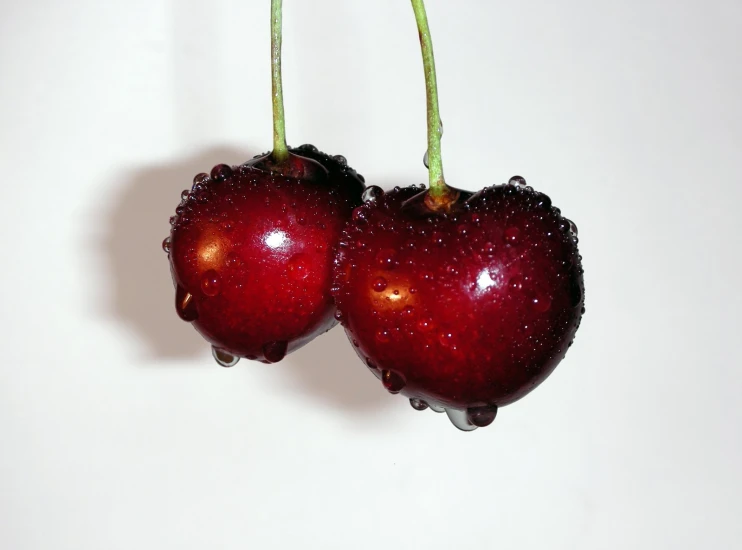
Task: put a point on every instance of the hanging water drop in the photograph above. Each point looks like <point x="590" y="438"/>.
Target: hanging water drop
<point x="166" y="245"/>
<point x="224" y="358"/>
<point x="185" y="305"/>
<point x="517" y="180"/>
<point x="481" y="416"/>
<point x="418" y="404"/>
<point x="275" y="351"/>
<point x="393" y="381"/>
<point x="460" y="419"/>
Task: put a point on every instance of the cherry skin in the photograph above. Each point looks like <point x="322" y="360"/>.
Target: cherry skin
<point x="468" y="308"/>
<point x="251" y="252"/>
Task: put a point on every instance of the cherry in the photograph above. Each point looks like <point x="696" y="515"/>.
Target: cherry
<point x="462" y="302"/>
<point x="470" y="308"/>
<point x="251" y="253"/>
<point x="251" y="247"/>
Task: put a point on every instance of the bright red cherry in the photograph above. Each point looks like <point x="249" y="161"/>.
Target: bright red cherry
<point x="466" y="308"/>
<point x="251" y="252"/>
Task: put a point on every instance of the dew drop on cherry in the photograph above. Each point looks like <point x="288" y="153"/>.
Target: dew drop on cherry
<point x="383" y="336"/>
<point x="298" y="267"/>
<point x="224" y="358"/>
<point x="481" y="416"/>
<point x="460" y="419"/>
<point x="517" y="180"/>
<point x="418" y="404"/>
<point x="275" y="351"/>
<point x="393" y="381"/>
<point x="379" y="284"/>
<point x="211" y="283"/>
<point x="372" y="193"/>
<point x="233" y="260"/>
<point x="425" y="325"/>
<point x="387" y="259"/>
<point x="512" y="235"/>
<point x="185" y="305"/>
<point x="221" y="172"/>
<point x="166" y="245"/>
<point x="541" y="303"/>
<point x="200" y="179"/>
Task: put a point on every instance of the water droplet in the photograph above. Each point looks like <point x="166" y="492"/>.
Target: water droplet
<point x="516" y="283"/>
<point x="221" y="172"/>
<point x="541" y="303"/>
<point x="512" y="235"/>
<point x="481" y="416"/>
<point x="572" y="227"/>
<point x="379" y="284"/>
<point x="383" y="336"/>
<point x="275" y="351"/>
<point x="426" y="325"/>
<point x="435" y="407"/>
<point x="341" y="160"/>
<point x="298" y="267"/>
<point x="426" y="159"/>
<point x="185" y="305"/>
<point x="409" y="310"/>
<point x="393" y="381"/>
<point x="387" y="259"/>
<point x="224" y="358"/>
<point x="233" y="260"/>
<point x="309" y="147"/>
<point x="459" y="419"/>
<point x="372" y="193"/>
<point x="359" y="215"/>
<point x="517" y="180"/>
<point x="418" y="404"/>
<point x="575" y="293"/>
<point x="371" y="364"/>
<point x="166" y="245"/>
<point x="338" y="315"/>
<point x="184" y="195"/>
<point x="445" y="339"/>
<point x="543" y="201"/>
<point x="200" y="180"/>
<point x="173" y="219"/>
<point x="211" y="283"/>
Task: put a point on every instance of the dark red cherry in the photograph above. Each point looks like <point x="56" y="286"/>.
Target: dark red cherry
<point x="251" y="252"/>
<point x="469" y="307"/>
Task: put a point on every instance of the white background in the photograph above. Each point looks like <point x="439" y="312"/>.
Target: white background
<point x="117" y="430"/>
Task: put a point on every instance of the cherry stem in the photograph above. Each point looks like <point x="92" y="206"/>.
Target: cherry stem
<point x="438" y="188"/>
<point x="280" y="150"/>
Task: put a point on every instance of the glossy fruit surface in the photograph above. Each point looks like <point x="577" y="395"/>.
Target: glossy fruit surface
<point x="251" y="252"/>
<point x="468" y="309"/>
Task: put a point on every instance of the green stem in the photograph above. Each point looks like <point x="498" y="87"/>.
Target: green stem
<point x="438" y="187"/>
<point x="280" y="150"/>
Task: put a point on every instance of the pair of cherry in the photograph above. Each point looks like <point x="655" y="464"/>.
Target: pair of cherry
<point x="461" y="301"/>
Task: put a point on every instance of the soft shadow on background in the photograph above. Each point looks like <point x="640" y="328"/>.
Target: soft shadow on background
<point x="142" y="295"/>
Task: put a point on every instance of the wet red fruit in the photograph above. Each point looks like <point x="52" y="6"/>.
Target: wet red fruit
<point x="251" y="252"/>
<point x="468" y="309"/>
